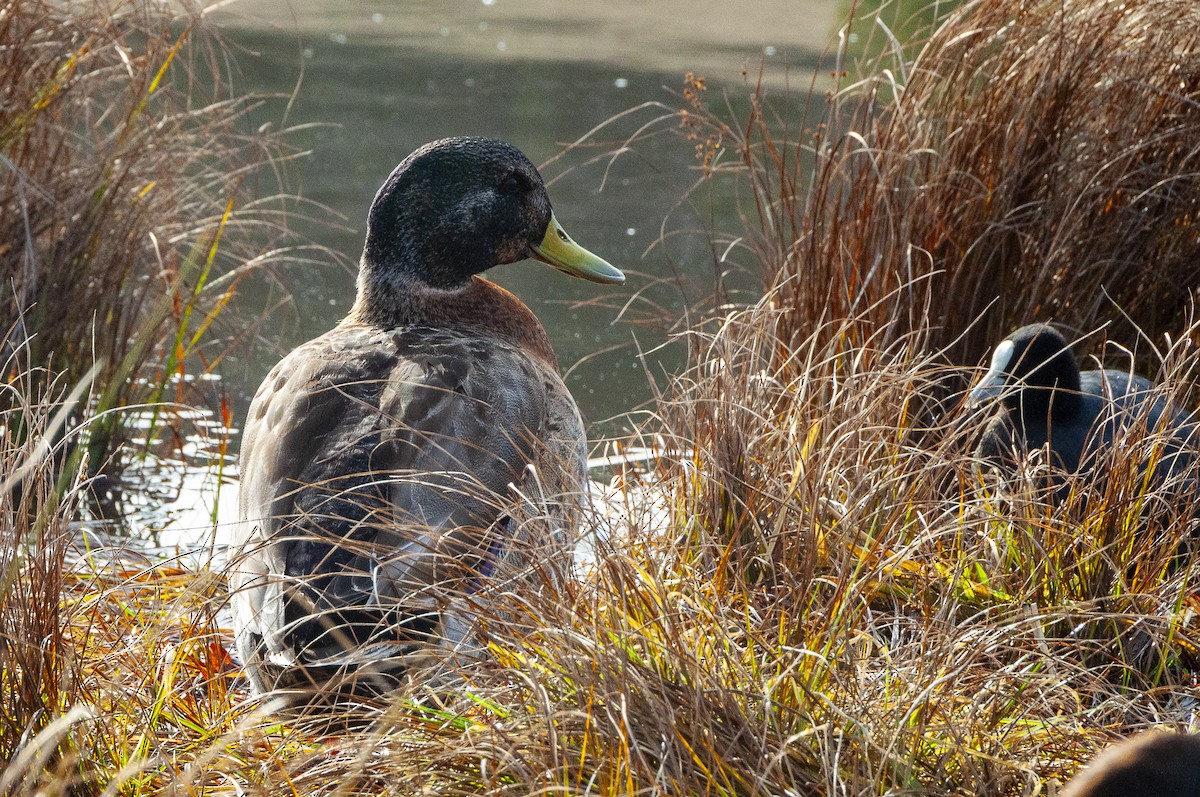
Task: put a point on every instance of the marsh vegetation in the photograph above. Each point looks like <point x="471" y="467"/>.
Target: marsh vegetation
<point x="814" y="589"/>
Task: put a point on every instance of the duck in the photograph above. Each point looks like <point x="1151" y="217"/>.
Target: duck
<point x="1042" y="399"/>
<point x="1154" y="762"/>
<point x="378" y="459"/>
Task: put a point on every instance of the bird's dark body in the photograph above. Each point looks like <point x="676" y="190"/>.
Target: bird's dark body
<point x="1152" y="764"/>
<point x="1045" y="402"/>
<point x="1108" y="402"/>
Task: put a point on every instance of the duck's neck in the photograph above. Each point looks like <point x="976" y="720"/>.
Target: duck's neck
<point x="479" y="305"/>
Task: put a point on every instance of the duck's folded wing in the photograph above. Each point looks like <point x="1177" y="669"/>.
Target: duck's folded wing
<point x="461" y="423"/>
<point x="304" y="482"/>
<point x="373" y="465"/>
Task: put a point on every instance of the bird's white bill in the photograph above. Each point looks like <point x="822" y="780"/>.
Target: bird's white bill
<point x="993" y="382"/>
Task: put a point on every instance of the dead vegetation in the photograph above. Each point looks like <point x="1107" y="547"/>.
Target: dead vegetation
<point x="815" y="590"/>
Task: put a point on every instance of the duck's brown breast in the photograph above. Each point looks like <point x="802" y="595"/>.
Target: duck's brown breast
<point x="483" y="308"/>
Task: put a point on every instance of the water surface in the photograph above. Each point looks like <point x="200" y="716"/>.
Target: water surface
<point x="375" y="80"/>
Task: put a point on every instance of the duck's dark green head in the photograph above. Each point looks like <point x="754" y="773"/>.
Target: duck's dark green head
<point x="456" y="207"/>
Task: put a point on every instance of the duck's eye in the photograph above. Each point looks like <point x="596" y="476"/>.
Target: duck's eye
<point x="510" y="185"/>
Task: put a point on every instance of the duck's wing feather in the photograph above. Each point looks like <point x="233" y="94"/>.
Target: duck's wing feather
<point x="371" y="460"/>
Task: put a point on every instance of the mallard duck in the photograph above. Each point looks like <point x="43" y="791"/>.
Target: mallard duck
<point x="377" y="458"/>
<point x="1044" y="400"/>
<point x="1152" y="763"/>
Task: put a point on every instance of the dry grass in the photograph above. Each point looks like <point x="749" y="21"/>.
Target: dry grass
<point x="126" y="222"/>
<point x="125" y="219"/>
<point x="36" y="662"/>
<point x="1042" y="161"/>
<point x="816" y="590"/>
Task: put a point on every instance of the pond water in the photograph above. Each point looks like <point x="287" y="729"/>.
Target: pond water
<point x="378" y="79"/>
<point x="367" y="82"/>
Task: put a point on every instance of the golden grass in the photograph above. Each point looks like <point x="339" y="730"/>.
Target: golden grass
<point x="815" y="590"/>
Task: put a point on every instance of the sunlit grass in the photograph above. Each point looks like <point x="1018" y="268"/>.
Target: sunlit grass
<point x="814" y="589"/>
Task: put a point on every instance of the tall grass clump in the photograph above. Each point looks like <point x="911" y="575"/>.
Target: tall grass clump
<point x="114" y="671"/>
<point x="37" y="668"/>
<point x="1037" y="160"/>
<point x="956" y="631"/>
<point x="110" y="664"/>
<point x="126" y="169"/>
<point x="128" y="215"/>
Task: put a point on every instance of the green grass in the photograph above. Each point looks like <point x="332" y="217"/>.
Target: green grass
<point x="815" y="590"/>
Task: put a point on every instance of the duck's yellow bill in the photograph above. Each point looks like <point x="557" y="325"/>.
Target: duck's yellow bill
<point x="558" y="250"/>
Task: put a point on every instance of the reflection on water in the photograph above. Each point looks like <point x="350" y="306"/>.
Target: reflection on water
<point x="177" y="485"/>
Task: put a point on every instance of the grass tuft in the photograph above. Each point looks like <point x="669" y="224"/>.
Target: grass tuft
<point x="125" y="169"/>
<point x="1039" y="161"/>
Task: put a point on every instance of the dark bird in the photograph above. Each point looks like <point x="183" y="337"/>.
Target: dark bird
<point x="377" y="458"/>
<point x="1154" y="764"/>
<point x="1044" y="400"/>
